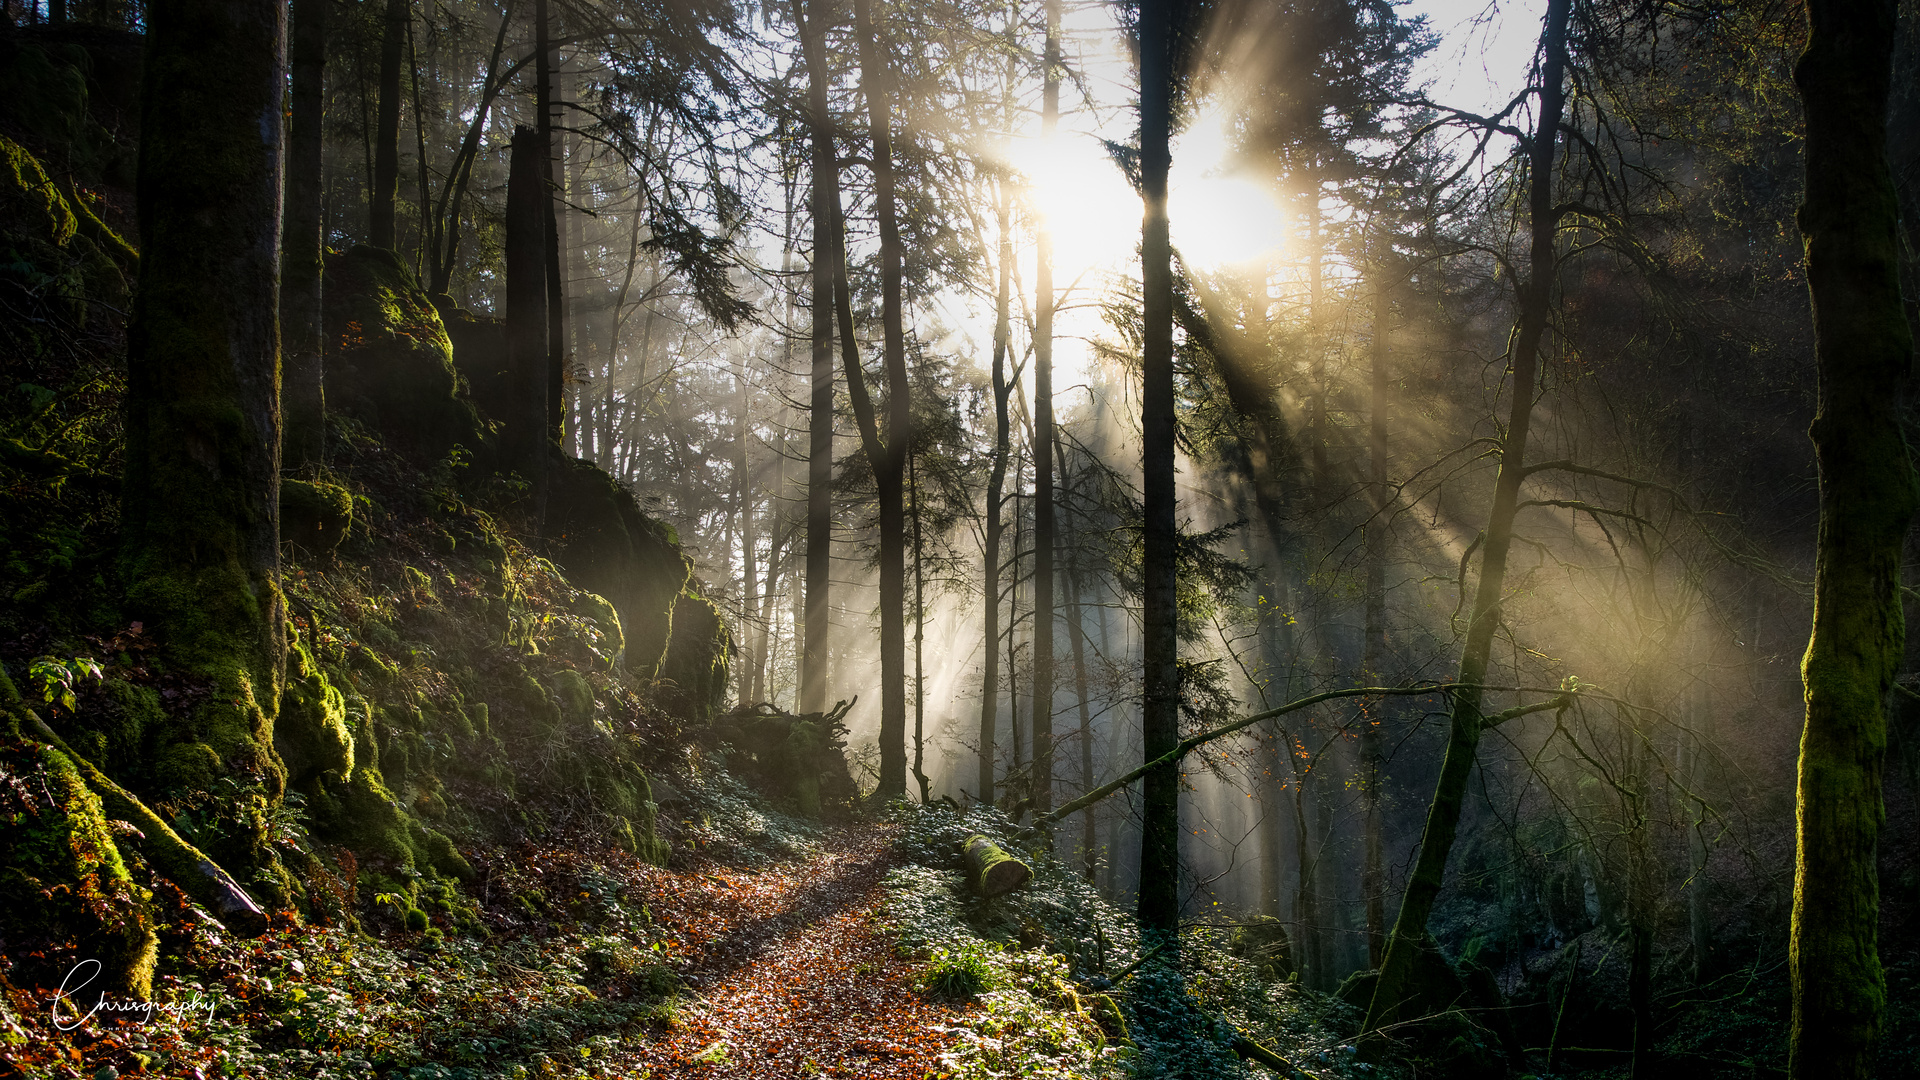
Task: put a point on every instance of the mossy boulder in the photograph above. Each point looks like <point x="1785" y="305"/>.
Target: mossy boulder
<point x="64" y="886"/>
<point x="391" y="363"/>
<point x="314" y="517"/>
<point x="693" y="674"/>
<point x="54" y="243"/>
<point x="311" y="732"/>
<point x="610" y="547"/>
<point x="480" y="356"/>
<point x="607" y="620"/>
<point x="574" y="697"/>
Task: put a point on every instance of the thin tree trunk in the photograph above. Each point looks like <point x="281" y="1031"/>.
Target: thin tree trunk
<point x="303" y="396"/>
<point x="996" y="486"/>
<point x="386" y="142"/>
<point x="526" y="311"/>
<point x="1863" y="351"/>
<point x="826" y="255"/>
<point x="750" y="572"/>
<point x="1159" y="905"/>
<point x="1043" y="525"/>
<point x="1373" y="875"/>
<point x="454" y="192"/>
<point x="1409" y="934"/>
<point x="919" y="641"/>
<point x="200" y="545"/>
<point x="890" y="469"/>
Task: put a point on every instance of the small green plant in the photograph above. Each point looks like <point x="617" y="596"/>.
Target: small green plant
<point x="57" y="677"/>
<point x="715" y="1054"/>
<point x="959" y="974"/>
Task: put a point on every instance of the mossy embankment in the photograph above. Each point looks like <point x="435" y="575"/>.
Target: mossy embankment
<point x="459" y="680"/>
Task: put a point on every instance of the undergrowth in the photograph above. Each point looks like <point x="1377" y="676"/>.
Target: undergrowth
<point x="1051" y="970"/>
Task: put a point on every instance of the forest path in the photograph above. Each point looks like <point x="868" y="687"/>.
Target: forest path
<point x="789" y="978"/>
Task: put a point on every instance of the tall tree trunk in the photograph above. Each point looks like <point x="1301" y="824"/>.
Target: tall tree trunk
<point x="1159" y="905"/>
<point x="200" y="543"/>
<point x="1306" y="895"/>
<point x="996" y="486"/>
<point x="423" y="231"/>
<point x="546" y="59"/>
<point x="386" y="140"/>
<point x="303" y="394"/>
<point x="1043" y="538"/>
<point x="890" y="470"/>
<point x="527" y="313"/>
<point x="1863" y="351"/>
<point x="577" y="343"/>
<point x="1374" y="661"/>
<point x="1409" y="934"/>
<point x="826" y="256"/>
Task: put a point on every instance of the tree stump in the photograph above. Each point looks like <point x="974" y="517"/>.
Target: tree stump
<point x="990" y="870"/>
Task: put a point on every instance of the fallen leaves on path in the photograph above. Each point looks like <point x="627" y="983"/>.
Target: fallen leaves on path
<point x="789" y="978"/>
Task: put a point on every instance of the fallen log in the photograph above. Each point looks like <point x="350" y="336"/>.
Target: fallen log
<point x="175" y="859"/>
<point x="990" y="870"/>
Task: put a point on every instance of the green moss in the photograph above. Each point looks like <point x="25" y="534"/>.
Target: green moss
<point x="314" y="517"/>
<point x="607" y="619"/>
<point x="64" y="882"/>
<point x="693" y="674"/>
<point x="574" y="697"/>
<point x="311" y="732"/>
<point x="391" y="363"/>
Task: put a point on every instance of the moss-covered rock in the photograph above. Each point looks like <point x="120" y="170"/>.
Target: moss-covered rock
<point x="611" y="548"/>
<point x="391" y="363"/>
<point x="62" y="881"/>
<point x="693" y="674"/>
<point x="314" y="516"/>
<point x="311" y="732"/>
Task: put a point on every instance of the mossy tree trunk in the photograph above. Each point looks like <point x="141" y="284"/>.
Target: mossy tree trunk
<point x="527" y="314"/>
<point x="1159" y="902"/>
<point x="1863" y="351"/>
<point x="825" y="194"/>
<point x="200" y="543"/>
<point x="302" y="384"/>
<point x="1398" y="983"/>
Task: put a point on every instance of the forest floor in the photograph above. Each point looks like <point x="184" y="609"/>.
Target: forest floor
<point x="788" y="974"/>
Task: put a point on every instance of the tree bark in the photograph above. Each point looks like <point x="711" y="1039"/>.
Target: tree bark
<point x="302" y="369"/>
<point x="381" y="198"/>
<point x="826" y="255"/>
<point x="996" y="488"/>
<point x="527" y="312"/>
<point x="546" y="58"/>
<point x="1863" y="352"/>
<point x="1043" y="525"/>
<point x="200" y="544"/>
<point x="1374" y="659"/>
<point x="1159" y="902"/>
<point x="1409" y="934"/>
<point x="890" y="469"/>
